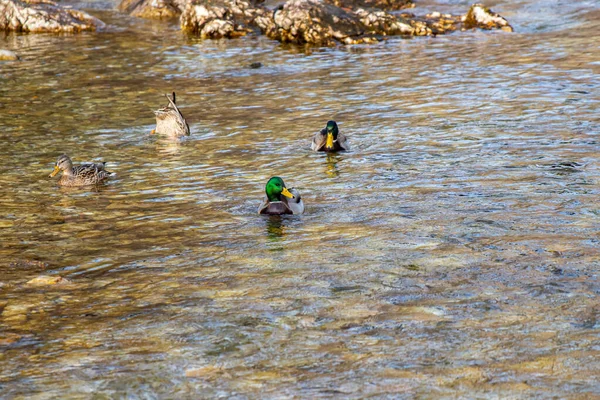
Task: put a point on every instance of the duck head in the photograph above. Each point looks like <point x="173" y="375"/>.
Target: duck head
<point x="276" y="188"/>
<point x="63" y="163"/>
<point x="332" y="134"/>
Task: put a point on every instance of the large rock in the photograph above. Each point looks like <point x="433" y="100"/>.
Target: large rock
<point x="314" y="21"/>
<point x="322" y="23"/>
<point x="44" y="16"/>
<point x="434" y="23"/>
<point x="382" y="23"/>
<point x="224" y="18"/>
<point x="484" y="18"/>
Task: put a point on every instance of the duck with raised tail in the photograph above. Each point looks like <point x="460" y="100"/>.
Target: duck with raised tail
<point x="170" y="121"/>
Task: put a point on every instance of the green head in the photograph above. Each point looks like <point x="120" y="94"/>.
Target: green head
<point x="332" y="134"/>
<point x="333" y="129"/>
<point x="276" y="188"/>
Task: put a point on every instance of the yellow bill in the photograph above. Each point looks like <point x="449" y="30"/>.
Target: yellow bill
<point x="56" y="171"/>
<point x="329" y="143"/>
<point x="287" y="193"/>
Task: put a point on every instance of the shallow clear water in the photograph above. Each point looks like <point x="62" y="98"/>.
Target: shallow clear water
<point x="452" y="253"/>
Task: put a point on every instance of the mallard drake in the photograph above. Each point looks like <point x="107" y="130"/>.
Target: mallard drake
<point x="170" y="121"/>
<point x="79" y="175"/>
<point x="330" y="139"/>
<point x="280" y="200"/>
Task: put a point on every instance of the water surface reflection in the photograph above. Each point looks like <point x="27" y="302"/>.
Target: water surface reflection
<point x="453" y="251"/>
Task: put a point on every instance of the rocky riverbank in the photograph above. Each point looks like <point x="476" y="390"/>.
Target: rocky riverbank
<point x="319" y="22"/>
<point x="312" y="21"/>
<point x="38" y="16"/>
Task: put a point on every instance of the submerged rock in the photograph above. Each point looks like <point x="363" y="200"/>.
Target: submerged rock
<point x="45" y="280"/>
<point x="589" y="317"/>
<point x="21" y="264"/>
<point x="44" y="16"/>
<point x="8" y="55"/>
<point x="484" y="18"/>
<point x="9" y="338"/>
<point x="16" y="312"/>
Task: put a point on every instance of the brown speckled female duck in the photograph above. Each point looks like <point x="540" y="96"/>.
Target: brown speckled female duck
<point x="170" y="121"/>
<point x="79" y="175"/>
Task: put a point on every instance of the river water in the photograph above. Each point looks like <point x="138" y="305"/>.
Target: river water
<point x="452" y="253"/>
